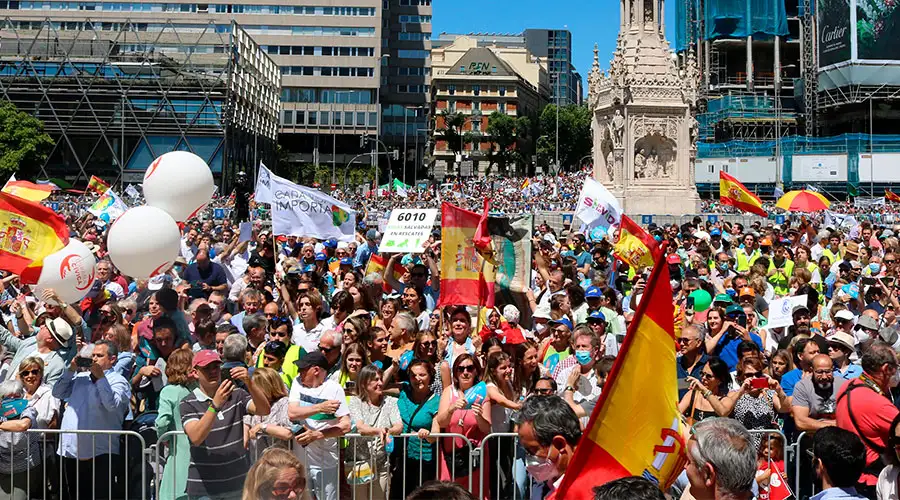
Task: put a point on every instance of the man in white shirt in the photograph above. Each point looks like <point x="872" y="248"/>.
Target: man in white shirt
<point x="318" y="408"/>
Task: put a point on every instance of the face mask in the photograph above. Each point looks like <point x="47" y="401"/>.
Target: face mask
<point x="583" y="357"/>
<point x="541" y="469"/>
<point x="895" y="379"/>
<point x="723" y="266"/>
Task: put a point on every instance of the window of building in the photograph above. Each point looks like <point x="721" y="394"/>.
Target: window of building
<point x="476" y="89"/>
<point x="301" y="118"/>
<point x="288" y="117"/>
<point x="312" y="118"/>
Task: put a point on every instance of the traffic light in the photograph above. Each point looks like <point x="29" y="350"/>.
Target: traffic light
<point x="363" y="141"/>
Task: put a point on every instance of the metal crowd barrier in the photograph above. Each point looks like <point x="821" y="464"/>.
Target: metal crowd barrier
<point x="52" y="482"/>
<point x="504" y="476"/>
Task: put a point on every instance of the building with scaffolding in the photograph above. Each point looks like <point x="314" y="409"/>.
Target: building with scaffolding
<point x="115" y="95"/>
<point x="794" y="94"/>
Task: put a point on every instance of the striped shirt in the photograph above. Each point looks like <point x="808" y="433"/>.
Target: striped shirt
<point x="220" y="464"/>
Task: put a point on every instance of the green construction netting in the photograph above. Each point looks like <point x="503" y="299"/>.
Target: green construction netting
<point x="729" y="19"/>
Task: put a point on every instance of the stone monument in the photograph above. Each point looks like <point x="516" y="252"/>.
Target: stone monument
<point x="643" y="124"/>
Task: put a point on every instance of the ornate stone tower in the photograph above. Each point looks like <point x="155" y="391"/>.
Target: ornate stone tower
<point x="643" y="126"/>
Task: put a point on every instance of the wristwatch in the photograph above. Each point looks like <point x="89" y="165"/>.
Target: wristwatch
<point x="569" y="388"/>
<point x="263" y="428"/>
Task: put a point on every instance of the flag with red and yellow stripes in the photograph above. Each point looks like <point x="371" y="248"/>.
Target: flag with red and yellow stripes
<point x="28" y="190"/>
<point x="29" y="232"/>
<point x="635" y="429"/>
<point x="635" y="246"/>
<point x="97" y="185"/>
<point x="467" y="278"/>
<point x="891" y="196"/>
<point x="735" y="194"/>
<point x="377" y="264"/>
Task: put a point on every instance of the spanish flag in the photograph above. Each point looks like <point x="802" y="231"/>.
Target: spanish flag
<point x="732" y="192"/>
<point x="635" y="429"/>
<point x="97" y="185"/>
<point x="29" y="232"/>
<point x="376" y="265"/>
<point x="635" y="247"/>
<point x="28" y="190"/>
<point x="891" y="196"/>
<point x="467" y="278"/>
<point x="525" y="184"/>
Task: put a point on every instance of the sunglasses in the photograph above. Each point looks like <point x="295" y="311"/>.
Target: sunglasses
<point x="326" y="350"/>
<point x="544" y="392"/>
<point x="280" y="319"/>
<point x="753" y="375"/>
<point x="706" y="375"/>
<point x="25" y="373"/>
<point x="430" y="343"/>
<point x="685" y="340"/>
<point x="466" y="368"/>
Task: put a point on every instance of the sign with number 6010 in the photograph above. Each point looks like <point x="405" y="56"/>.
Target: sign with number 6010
<point x="407" y="230"/>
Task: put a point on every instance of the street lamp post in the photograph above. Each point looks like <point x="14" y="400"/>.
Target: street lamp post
<point x="405" y="128"/>
<point x="416" y="171"/>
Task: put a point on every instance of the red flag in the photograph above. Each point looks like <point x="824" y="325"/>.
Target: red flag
<point x="732" y="192"/>
<point x="635" y="246"/>
<point x="377" y="263"/>
<point x="636" y="428"/>
<point x="482" y="238"/>
<point x="466" y="277"/>
<point x="891" y="196"/>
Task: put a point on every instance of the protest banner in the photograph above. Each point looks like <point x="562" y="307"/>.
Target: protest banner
<point x="407" y="230"/>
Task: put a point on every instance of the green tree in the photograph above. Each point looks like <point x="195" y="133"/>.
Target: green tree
<point x="452" y="131"/>
<point x="505" y="132"/>
<point x="574" y="135"/>
<point x="24" y="146"/>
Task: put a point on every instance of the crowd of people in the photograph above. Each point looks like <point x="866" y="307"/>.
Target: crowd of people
<point x="285" y="367"/>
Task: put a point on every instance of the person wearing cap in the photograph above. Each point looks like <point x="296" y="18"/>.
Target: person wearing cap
<point x="598" y="324"/>
<point x="364" y="252"/>
<point x="843" y="322"/>
<point x="558" y="346"/>
<point x="97" y="400"/>
<point x="213" y="419"/>
<point x="51" y="336"/>
<point x="815" y="397"/>
<point x="866" y="328"/>
<point x="318" y="407"/>
<point x="841" y="346"/>
<point x="205" y="276"/>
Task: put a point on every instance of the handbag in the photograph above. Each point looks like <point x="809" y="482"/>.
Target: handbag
<point x="461" y="457"/>
<point x="361" y="471"/>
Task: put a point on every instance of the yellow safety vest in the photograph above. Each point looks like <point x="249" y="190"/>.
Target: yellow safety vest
<point x="780" y="283"/>
<point x="744" y="261"/>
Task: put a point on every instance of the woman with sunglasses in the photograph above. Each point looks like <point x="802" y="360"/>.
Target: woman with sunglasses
<point x="755" y="407"/>
<point x="20" y="453"/>
<point x="471" y="418"/>
<point x="277" y="475"/>
<point x="418" y="405"/>
<point x="704" y="397"/>
<point x="355" y="328"/>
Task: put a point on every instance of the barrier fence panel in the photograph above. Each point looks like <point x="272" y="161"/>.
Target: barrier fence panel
<point x="37" y="471"/>
<point x="775" y="442"/>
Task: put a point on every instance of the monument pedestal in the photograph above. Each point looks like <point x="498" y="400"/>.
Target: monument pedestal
<point x="643" y="127"/>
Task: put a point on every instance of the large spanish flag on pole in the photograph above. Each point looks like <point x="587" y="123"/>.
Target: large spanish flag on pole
<point x="467" y="278"/>
<point x="891" y="196"/>
<point x="635" y="246"/>
<point x="28" y="233"/>
<point x="732" y="192"/>
<point x="28" y="190"/>
<point x="635" y="429"/>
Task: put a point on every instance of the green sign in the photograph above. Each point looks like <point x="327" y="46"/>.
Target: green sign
<point x="479" y="68"/>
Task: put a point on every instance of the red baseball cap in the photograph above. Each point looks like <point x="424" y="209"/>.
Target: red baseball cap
<point x="673" y="258"/>
<point x="205" y="357"/>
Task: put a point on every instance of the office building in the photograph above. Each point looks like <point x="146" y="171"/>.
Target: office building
<point x="115" y="95"/>
<point x="476" y="81"/>
<point x="552" y="47"/>
<point x="406" y="86"/>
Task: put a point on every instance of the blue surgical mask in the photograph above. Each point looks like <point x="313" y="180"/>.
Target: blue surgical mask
<point x="583" y="357"/>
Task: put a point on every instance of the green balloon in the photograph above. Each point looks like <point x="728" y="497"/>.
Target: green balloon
<point x="702" y="300"/>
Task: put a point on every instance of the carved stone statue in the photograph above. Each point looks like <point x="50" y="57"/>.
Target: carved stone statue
<point x="640" y="165"/>
<point x="617" y="128"/>
<point x="695" y="129"/>
<point x="610" y="166"/>
<point x="652" y="168"/>
<point x="648" y="11"/>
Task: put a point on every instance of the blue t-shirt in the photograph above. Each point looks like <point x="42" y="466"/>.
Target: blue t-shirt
<point x="790" y="379"/>
<point x="726" y="349"/>
<point x="214" y="275"/>
<point x="584" y="258"/>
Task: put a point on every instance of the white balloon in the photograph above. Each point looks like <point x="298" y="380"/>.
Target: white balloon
<point x="144" y="242"/>
<point x="69" y="272"/>
<point x="180" y="183"/>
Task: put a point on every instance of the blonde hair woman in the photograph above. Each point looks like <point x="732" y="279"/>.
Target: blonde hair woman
<point x="273" y="429"/>
<point x="277" y="475"/>
<point x="178" y="368"/>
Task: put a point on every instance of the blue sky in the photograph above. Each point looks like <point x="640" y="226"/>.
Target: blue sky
<point x="590" y="21"/>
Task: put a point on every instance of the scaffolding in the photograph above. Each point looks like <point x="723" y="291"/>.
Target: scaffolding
<point x="113" y="96"/>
